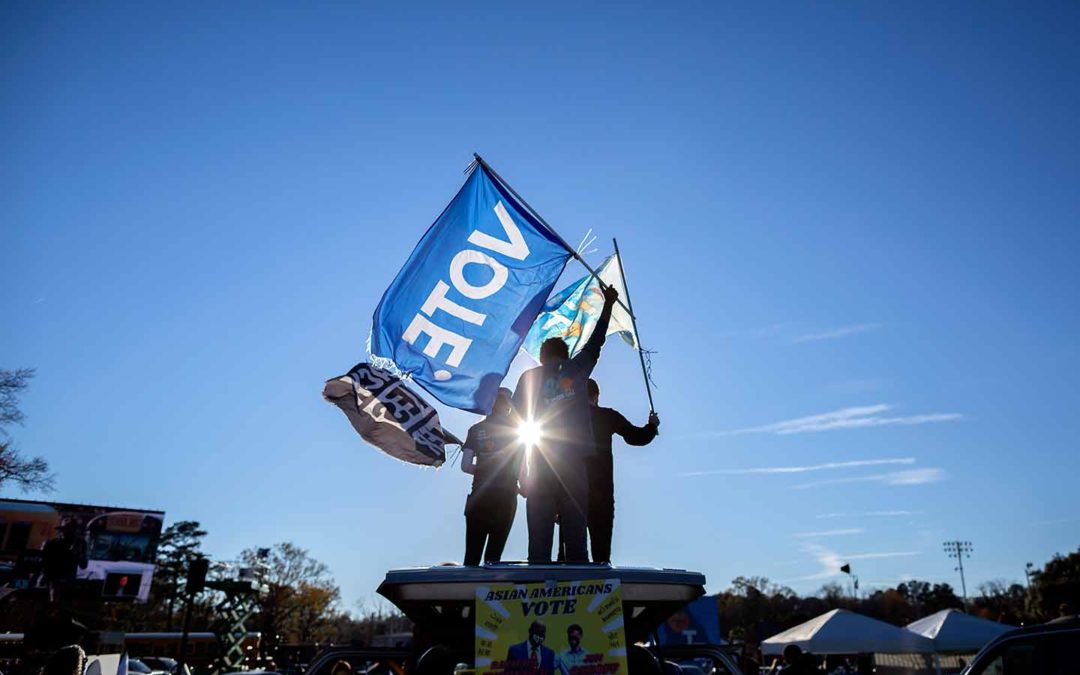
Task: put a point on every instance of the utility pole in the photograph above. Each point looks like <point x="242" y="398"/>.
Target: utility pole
<point x="1027" y="573"/>
<point x="959" y="550"/>
<point x="196" y="583"/>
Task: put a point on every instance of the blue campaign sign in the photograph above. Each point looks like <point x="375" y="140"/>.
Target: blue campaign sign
<point x="697" y="623"/>
<point x="457" y="312"/>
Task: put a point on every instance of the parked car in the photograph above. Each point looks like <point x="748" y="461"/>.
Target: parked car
<point x="138" y="667"/>
<point x="162" y="663"/>
<point x="1046" y="649"/>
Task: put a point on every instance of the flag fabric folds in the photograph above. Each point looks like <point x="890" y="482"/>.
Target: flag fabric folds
<point x="457" y="312"/>
<point x="389" y="415"/>
<point x="571" y="314"/>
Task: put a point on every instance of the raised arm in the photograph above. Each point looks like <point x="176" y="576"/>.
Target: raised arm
<point x="586" y="359"/>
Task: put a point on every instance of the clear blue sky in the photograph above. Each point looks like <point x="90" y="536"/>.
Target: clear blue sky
<point x="862" y="211"/>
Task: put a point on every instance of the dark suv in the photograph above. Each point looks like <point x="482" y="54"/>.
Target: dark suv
<point x="1048" y="649"/>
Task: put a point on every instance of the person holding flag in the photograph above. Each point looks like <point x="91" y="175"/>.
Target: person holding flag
<point x="553" y="399"/>
<point x="606" y="422"/>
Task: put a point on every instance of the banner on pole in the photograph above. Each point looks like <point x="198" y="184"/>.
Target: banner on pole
<point x="389" y="415"/>
<point x="553" y="628"/>
<point x="572" y="313"/>
<point x="457" y="312"/>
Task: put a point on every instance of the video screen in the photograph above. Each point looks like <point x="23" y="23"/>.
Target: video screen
<point x="110" y="548"/>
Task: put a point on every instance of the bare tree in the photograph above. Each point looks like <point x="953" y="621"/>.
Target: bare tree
<point x="29" y="473"/>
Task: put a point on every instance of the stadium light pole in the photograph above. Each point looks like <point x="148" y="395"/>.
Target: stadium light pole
<point x="959" y="550"/>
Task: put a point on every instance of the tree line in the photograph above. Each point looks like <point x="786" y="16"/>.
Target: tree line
<point x="754" y="608"/>
<point x="301" y="603"/>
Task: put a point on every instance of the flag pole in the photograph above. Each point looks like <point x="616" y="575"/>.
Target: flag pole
<point x="573" y="252"/>
<point x="633" y="321"/>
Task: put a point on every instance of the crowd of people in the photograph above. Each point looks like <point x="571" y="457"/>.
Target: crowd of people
<point x="565" y="471"/>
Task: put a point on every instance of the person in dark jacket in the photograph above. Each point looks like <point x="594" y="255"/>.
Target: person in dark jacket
<point x="492" y="454"/>
<point x="532" y="657"/>
<point x="553" y="396"/>
<point x="798" y="662"/>
<point x="606" y="422"/>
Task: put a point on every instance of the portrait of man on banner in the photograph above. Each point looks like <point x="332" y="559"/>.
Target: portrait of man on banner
<point x="563" y="628"/>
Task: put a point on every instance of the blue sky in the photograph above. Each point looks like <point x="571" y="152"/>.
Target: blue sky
<point x="849" y="231"/>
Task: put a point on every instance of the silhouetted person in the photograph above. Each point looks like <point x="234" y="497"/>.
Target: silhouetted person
<point x="492" y="454"/>
<point x="62" y="557"/>
<point x="606" y="422"/>
<point x="554" y="396"/>
<point x="68" y="660"/>
<point x="1065" y="614"/>
<point x="796" y="662"/>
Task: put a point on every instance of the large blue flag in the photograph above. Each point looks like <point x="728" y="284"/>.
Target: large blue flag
<point x="456" y="314"/>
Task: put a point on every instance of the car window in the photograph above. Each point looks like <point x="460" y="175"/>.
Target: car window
<point x="1058" y="654"/>
<point x="703" y="665"/>
<point x="1016" y="657"/>
<point x="137" y="666"/>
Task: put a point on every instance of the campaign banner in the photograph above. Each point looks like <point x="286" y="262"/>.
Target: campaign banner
<point x="457" y="312"/>
<point x="389" y="415"/>
<point x="552" y="628"/>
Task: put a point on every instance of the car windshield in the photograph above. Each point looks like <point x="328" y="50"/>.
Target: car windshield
<point x="160" y="662"/>
<point x="137" y="666"/>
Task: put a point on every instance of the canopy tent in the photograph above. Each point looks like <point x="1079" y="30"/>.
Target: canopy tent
<point x="844" y="632"/>
<point x="954" y="631"/>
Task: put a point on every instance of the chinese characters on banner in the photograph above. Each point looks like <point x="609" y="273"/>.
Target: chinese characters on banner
<point x="555" y="628"/>
<point x="388" y="415"/>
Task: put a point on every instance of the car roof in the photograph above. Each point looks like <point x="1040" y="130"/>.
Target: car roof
<point x="1060" y="625"/>
<point x="1057" y="625"/>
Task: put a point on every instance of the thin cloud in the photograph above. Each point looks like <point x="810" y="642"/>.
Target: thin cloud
<point x="801" y="469"/>
<point x="760" y="332"/>
<point x="856" y="417"/>
<point x="836" y="333"/>
<point x="830" y="533"/>
<point x="827" y="559"/>
<point x="874" y="556"/>
<point x="870" y="514"/>
<point x="909" y="477"/>
<point x="830" y="561"/>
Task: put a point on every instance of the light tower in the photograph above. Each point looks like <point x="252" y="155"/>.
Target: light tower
<point x="959" y="550"/>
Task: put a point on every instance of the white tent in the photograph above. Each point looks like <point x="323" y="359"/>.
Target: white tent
<point x="956" y="632"/>
<point x="844" y="632"/>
